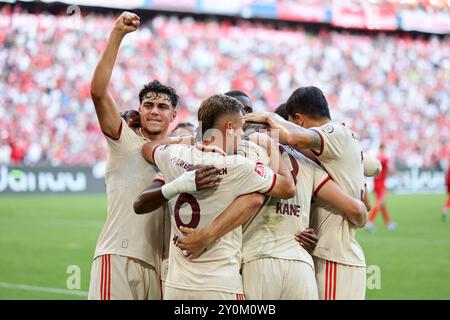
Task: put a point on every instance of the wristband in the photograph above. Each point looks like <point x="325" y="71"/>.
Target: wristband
<point x="184" y="183"/>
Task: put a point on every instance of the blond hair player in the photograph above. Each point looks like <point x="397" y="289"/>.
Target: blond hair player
<point x="214" y="275"/>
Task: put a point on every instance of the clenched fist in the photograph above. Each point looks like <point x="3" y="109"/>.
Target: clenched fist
<point x="127" y="22"/>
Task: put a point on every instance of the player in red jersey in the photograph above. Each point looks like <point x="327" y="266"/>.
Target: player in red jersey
<point x="447" y="204"/>
<point x="380" y="193"/>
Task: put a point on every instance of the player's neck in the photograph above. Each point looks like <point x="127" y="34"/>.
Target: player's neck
<point x="319" y="123"/>
<point x="213" y="144"/>
<point x="151" y="136"/>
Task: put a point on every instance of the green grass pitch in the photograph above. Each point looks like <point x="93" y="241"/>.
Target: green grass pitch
<point x="41" y="236"/>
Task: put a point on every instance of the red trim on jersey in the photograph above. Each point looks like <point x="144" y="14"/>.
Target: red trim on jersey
<point x="160" y="180"/>
<point x="153" y="152"/>
<point x="213" y="149"/>
<point x="120" y="132"/>
<point x="320" y="186"/>
<point x="240" y="296"/>
<point x="274" y="179"/>
<point x="322" y="144"/>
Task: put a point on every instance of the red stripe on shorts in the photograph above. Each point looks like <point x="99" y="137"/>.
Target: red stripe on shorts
<point x="330" y="280"/>
<point x="326" y="280"/>
<point x="335" y="276"/>
<point x="109" y="277"/>
<point x="101" y="281"/>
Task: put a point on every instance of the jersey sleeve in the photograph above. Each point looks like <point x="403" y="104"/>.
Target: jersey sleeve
<point x="161" y="155"/>
<point x="159" y="178"/>
<point x="333" y="140"/>
<point x="125" y="143"/>
<point x="320" y="178"/>
<point x="254" y="152"/>
<point x="254" y="177"/>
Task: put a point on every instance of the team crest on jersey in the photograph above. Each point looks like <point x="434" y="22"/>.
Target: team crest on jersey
<point x="260" y="169"/>
<point x="329" y="128"/>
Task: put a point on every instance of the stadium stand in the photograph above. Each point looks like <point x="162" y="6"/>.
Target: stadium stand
<point x="380" y="84"/>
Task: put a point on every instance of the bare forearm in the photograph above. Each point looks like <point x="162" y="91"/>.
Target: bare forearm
<point x="358" y="216"/>
<point x="103" y="71"/>
<point x="236" y="214"/>
<point x="352" y="208"/>
<point x="294" y="135"/>
<point x="149" y="201"/>
<point x="189" y="140"/>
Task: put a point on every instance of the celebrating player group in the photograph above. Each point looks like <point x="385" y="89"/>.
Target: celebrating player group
<point x="247" y="206"/>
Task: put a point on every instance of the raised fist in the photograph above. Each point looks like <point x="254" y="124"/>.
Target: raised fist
<point x="127" y="22"/>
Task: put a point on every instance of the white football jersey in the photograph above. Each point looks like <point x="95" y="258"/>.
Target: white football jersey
<point x="341" y="156"/>
<point x="270" y="233"/>
<point x="127" y="176"/>
<point x="218" y="268"/>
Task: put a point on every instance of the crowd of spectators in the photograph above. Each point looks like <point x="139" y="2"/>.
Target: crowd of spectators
<point x="388" y="88"/>
<point x="428" y="6"/>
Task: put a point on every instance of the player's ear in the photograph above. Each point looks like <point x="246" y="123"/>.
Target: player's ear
<point x="174" y="115"/>
<point x="228" y="128"/>
<point x="298" y="119"/>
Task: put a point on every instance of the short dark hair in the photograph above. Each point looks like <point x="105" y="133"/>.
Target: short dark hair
<point x="127" y="113"/>
<point x="282" y="112"/>
<point x="183" y="125"/>
<point x="309" y="101"/>
<point x="239" y="95"/>
<point x="214" y="107"/>
<point x="236" y="93"/>
<point x="158" y="87"/>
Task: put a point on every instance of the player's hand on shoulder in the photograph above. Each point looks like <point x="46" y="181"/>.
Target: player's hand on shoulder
<point x="259" y="117"/>
<point x="206" y="176"/>
<point x="261" y="139"/>
<point x="127" y="22"/>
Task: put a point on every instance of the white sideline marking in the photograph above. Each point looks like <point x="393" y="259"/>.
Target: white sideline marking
<point x="42" y="289"/>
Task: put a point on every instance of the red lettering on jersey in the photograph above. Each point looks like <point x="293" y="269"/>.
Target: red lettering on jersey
<point x="286" y="209"/>
<point x="278" y="207"/>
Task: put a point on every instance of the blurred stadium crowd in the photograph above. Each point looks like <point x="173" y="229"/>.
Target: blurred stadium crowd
<point x="397" y="5"/>
<point x="389" y="88"/>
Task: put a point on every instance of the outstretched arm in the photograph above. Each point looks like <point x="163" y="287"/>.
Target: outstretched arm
<point x="236" y="214"/>
<point x="105" y="106"/>
<point x="289" y="133"/>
